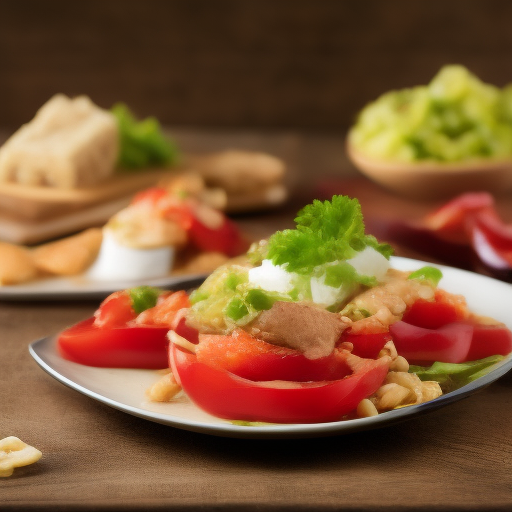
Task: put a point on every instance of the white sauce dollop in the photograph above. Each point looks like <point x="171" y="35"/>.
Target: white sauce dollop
<point x="118" y="262"/>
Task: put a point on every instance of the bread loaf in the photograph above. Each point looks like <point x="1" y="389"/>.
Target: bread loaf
<point x="70" y="143"/>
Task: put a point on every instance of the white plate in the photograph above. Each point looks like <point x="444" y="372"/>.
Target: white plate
<point x="79" y="287"/>
<point x="124" y="389"/>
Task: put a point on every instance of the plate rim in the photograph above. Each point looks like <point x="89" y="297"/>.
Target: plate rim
<point x="95" y="290"/>
<point x="226" y="428"/>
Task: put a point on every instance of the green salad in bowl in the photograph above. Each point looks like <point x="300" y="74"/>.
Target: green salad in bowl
<point x="455" y="117"/>
<point x="449" y="136"/>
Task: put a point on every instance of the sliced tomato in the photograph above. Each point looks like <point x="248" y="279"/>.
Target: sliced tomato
<point x="122" y="347"/>
<point x="225" y="239"/>
<point x="254" y="359"/>
<point x="449" y="344"/>
<point x="115" y="311"/>
<point x="152" y="196"/>
<point x="221" y="236"/>
<point x="229" y="396"/>
<point x="489" y="340"/>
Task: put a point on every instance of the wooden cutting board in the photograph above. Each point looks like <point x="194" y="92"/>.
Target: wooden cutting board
<point x="25" y="203"/>
<point x="29" y="215"/>
<point x="28" y="231"/>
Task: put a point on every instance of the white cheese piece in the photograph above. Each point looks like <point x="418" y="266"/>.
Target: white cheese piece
<point x="118" y="262"/>
<point x="70" y="143"/>
<point x="370" y="262"/>
<point x="272" y="278"/>
<point x="328" y="295"/>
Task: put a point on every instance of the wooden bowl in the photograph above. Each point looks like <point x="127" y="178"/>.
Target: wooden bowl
<point x="430" y="180"/>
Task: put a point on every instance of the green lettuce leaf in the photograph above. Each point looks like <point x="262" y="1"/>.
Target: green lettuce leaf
<point x="142" y="144"/>
<point x="455" y="375"/>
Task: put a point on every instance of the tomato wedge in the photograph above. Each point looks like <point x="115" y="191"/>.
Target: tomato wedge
<point x="225" y="239"/>
<point x="122" y="347"/>
<point x="232" y="397"/>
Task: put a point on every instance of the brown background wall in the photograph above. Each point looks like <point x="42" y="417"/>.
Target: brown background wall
<point x="301" y="64"/>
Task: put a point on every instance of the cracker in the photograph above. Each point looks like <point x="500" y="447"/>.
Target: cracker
<point x="16" y="265"/>
<point x="69" y="256"/>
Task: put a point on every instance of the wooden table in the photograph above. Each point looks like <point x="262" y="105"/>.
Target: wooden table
<point x="458" y="458"/>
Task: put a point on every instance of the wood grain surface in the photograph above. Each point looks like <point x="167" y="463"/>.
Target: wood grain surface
<point x="458" y="458"/>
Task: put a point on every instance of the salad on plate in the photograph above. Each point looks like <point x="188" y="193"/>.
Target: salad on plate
<point x="313" y="325"/>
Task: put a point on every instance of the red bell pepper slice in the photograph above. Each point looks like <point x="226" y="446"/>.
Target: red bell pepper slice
<point x="466" y="232"/>
<point x="442" y="330"/>
<point x="118" y="338"/>
<point x="225" y="239"/>
<point x="226" y="395"/>
<point x="122" y="347"/>
<point x="489" y="340"/>
<point x="498" y="233"/>
<point x="443" y="310"/>
<point x="366" y="345"/>
<point x="450" y="220"/>
<point x="449" y="344"/>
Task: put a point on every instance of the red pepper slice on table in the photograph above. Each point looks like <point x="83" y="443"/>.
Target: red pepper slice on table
<point x="466" y="232"/>
<point x="449" y="221"/>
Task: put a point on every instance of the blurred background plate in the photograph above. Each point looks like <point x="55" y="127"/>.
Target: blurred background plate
<point x="81" y="288"/>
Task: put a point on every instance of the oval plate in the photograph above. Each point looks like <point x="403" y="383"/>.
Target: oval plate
<point x="125" y="389"/>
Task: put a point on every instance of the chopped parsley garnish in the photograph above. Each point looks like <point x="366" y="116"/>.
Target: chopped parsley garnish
<point x="326" y="231"/>
<point x="430" y="275"/>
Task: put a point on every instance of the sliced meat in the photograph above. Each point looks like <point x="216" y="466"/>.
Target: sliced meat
<point x="301" y="326"/>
